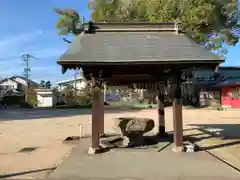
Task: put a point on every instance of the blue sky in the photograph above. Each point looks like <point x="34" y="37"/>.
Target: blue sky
<point x="29" y="26"/>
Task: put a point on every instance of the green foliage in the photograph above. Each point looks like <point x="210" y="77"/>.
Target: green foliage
<point x="83" y="98"/>
<point x="105" y="11"/>
<point x="32" y="97"/>
<point x="209" y="22"/>
<point x="64" y="24"/>
<point x="69" y="22"/>
<point x="45" y="84"/>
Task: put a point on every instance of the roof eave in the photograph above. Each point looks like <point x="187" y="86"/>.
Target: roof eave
<point x="119" y="62"/>
<point x="77" y="64"/>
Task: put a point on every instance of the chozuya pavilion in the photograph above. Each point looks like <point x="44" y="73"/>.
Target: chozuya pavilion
<point x="146" y="54"/>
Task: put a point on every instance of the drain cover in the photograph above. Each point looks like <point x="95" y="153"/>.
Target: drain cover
<point x="27" y="149"/>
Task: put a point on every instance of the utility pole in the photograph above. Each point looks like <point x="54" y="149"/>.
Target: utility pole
<point x="76" y="73"/>
<point x="26" y="57"/>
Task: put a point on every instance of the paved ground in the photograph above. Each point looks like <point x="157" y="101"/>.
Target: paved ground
<point x="142" y="164"/>
<point x="45" y="130"/>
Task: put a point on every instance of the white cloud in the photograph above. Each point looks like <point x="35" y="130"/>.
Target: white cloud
<point x="18" y="39"/>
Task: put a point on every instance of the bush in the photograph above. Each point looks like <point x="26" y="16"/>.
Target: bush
<point x="32" y="97"/>
<point x="75" y="99"/>
<point x="83" y="100"/>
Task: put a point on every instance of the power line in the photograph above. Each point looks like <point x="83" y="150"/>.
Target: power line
<point x="26" y="57"/>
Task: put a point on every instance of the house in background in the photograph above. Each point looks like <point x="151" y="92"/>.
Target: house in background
<point x="79" y="83"/>
<point x="15" y="84"/>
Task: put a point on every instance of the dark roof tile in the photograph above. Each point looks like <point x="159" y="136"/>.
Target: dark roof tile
<point x="135" y="46"/>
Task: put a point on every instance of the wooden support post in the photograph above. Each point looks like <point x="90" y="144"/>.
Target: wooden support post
<point x="97" y="115"/>
<point x="177" y="116"/>
<point x="161" y="116"/>
<point x="101" y="115"/>
<point x="96" y="108"/>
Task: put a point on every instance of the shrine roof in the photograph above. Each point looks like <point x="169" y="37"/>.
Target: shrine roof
<point x="135" y="43"/>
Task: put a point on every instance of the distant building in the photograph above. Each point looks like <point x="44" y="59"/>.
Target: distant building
<point x="45" y="98"/>
<point x="208" y="88"/>
<point x="14" y="85"/>
<point x="78" y="83"/>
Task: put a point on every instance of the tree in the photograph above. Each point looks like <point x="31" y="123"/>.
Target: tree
<point x="212" y="23"/>
<point x="42" y="84"/>
<point x="69" y="22"/>
<point x="32" y="96"/>
<point x="46" y="84"/>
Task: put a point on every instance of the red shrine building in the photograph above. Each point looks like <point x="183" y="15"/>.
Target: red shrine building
<point x="215" y="89"/>
<point x="230" y="89"/>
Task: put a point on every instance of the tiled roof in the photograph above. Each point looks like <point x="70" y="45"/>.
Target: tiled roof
<point x="229" y="82"/>
<point x="116" y="43"/>
<point x="31" y="82"/>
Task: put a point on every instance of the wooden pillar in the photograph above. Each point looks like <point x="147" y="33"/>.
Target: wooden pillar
<point x="97" y="115"/>
<point x="101" y="116"/>
<point x="103" y="100"/>
<point x="161" y="116"/>
<point x="177" y="115"/>
<point x="96" y="108"/>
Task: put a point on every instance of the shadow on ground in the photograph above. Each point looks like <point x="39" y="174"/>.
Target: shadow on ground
<point x="11" y="175"/>
<point x="144" y="164"/>
<point x="31" y="114"/>
<point x="228" y="133"/>
<point x="147" y="142"/>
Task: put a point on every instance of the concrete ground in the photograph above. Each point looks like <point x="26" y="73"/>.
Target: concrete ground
<point x="142" y="164"/>
<point x="44" y="130"/>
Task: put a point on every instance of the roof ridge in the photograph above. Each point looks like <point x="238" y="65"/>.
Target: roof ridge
<point x="102" y="26"/>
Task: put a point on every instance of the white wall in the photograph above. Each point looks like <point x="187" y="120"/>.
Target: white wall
<point x="45" y="99"/>
<point x="9" y="82"/>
